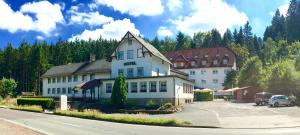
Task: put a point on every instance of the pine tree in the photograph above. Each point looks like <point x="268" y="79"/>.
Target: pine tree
<point x="216" y="38"/>
<point x="293" y="21"/>
<point x="227" y="38"/>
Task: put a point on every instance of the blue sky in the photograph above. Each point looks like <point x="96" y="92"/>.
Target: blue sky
<point x="51" y="20"/>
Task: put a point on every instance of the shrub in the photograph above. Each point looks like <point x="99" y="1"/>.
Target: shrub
<point x="45" y="103"/>
<point x="151" y="105"/>
<point x="119" y="93"/>
<point x="166" y="106"/>
<point x="31" y="108"/>
<point x="204" y="95"/>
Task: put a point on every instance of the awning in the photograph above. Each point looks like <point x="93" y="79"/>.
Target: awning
<point x="88" y="85"/>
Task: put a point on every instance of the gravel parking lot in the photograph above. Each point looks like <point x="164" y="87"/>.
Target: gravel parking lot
<point x="238" y="115"/>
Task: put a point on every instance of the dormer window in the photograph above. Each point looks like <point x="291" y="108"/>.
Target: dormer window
<point x="215" y="62"/>
<point x="129" y="41"/>
<point x="193" y="63"/>
<point x="203" y="63"/>
<point x="181" y="64"/>
<point x="225" y="61"/>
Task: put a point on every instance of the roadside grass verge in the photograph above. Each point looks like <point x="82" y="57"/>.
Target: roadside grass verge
<point x="31" y="108"/>
<point x="142" y="119"/>
<point x="135" y="119"/>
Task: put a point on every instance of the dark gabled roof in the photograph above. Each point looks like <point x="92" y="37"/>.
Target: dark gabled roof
<point x="67" y="69"/>
<point x="98" y="66"/>
<point x="148" y="46"/>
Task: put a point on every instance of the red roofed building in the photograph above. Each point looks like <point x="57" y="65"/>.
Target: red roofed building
<point x="206" y="67"/>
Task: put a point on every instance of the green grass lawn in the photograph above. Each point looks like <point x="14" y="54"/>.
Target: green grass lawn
<point x="142" y="119"/>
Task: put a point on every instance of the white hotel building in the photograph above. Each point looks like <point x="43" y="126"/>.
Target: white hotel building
<point x="207" y="68"/>
<point x="147" y="71"/>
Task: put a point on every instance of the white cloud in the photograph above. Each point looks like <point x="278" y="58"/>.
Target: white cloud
<point x="45" y="20"/>
<point x="113" y="30"/>
<point x="39" y="37"/>
<point x="174" y="4"/>
<point x="135" y="7"/>
<point x="164" y="31"/>
<point x="90" y="18"/>
<point x="283" y="9"/>
<point x="208" y="14"/>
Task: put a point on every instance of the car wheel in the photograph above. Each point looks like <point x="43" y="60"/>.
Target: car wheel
<point x="292" y="104"/>
<point x="257" y="103"/>
<point x="276" y="104"/>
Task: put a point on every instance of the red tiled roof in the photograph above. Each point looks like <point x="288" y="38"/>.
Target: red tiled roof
<point x="199" y="55"/>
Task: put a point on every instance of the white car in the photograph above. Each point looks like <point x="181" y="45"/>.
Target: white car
<point x="279" y="100"/>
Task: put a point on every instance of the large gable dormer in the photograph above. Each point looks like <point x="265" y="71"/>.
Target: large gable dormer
<point x="134" y="57"/>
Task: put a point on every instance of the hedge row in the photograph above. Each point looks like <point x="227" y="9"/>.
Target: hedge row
<point x="45" y="103"/>
<point x="204" y="95"/>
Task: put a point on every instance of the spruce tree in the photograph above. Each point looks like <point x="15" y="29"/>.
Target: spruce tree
<point x="119" y="93"/>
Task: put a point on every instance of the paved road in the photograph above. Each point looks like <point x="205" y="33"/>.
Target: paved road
<point x="60" y="125"/>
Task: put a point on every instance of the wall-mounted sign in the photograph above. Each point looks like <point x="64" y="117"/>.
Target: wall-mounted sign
<point x="129" y="63"/>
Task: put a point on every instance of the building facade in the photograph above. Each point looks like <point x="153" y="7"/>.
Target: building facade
<point x="207" y="68"/>
<point x="147" y="71"/>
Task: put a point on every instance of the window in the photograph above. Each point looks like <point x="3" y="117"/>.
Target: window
<point x="69" y="78"/>
<point x="58" y="79"/>
<point x="58" y="90"/>
<point x="163" y="86"/>
<point x="83" y="77"/>
<point x="215" y="80"/>
<point x="49" y="90"/>
<point x="193" y="80"/>
<point x="203" y="81"/>
<point x="226" y="71"/>
<point x="193" y="63"/>
<point x="203" y="63"/>
<point x="181" y="64"/>
<point x="92" y="76"/>
<point x="53" y="90"/>
<point x="69" y="90"/>
<point x="143" y="86"/>
<point x="127" y="87"/>
<point x="129" y="72"/>
<point x="129" y="41"/>
<point x="192" y="72"/>
<point x="203" y="72"/>
<point x="215" y="62"/>
<point x="64" y="91"/>
<point x="157" y="71"/>
<point x="175" y="65"/>
<point x="129" y="54"/>
<point x="139" y="52"/>
<point x="140" y="71"/>
<point x="53" y="80"/>
<point x="108" y="88"/>
<point x="225" y="61"/>
<point x="215" y="72"/>
<point x="75" y="78"/>
<point x="49" y="80"/>
<point x="133" y="86"/>
<point x="152" y="86"/>
<point x="120" y="71"/>
<point x="120" y="55"/>
<point x="64" y="79"/>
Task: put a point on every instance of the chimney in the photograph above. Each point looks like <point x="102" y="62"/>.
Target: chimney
<point x="92" y="57"/>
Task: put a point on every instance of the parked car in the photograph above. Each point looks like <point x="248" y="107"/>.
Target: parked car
<point x="262" y="98"/>
<point x="279" y="100"/>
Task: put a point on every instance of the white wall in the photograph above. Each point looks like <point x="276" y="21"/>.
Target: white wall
<point x="67" y="84"/>
<point x="208" y="76"/>
<point x="174" y="88"/>
<point x="149" y="63"/>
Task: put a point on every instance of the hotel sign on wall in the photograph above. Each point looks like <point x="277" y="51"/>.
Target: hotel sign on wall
<point x="129" y="63"/>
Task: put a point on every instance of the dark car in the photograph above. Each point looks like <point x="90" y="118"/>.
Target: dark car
<point x="262" y="98"/>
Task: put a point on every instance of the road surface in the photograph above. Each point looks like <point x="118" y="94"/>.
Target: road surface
<point x="60" y="125"/>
